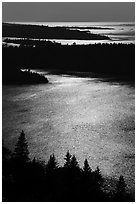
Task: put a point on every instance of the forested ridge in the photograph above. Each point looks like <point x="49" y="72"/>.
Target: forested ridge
<point x="105" y="59"/>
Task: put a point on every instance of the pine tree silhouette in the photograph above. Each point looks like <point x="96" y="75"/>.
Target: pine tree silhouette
<point x="97" y="180"/>
<point x="68" y="159"/>
<point x="72" y="178"/>
<point x="86" y="167"/>
<point x="21" y="152"/>
<point x="51" y="165"/>
<point x="51" y="176"/>
<point x="98" y="175"/>
<point x="86" y="182"/>
<point x="74" y="163"/>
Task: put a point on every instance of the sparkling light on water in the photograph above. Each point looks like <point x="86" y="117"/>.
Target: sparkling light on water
<point x="90" y="118"/>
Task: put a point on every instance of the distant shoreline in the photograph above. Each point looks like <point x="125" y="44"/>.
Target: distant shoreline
<point x="77" y="32"/>
<point x="45" y="32"/>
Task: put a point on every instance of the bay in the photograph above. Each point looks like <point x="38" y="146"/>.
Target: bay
<point x="90" y="118"/>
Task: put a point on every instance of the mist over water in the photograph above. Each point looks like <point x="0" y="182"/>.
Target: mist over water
<point x="119" y="32"/>
<point x="90" y="118"/>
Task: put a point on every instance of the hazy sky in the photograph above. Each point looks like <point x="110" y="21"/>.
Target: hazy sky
<point x="68" y="11"/>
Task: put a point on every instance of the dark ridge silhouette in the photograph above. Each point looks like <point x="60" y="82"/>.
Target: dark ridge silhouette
<point x="45" y="32"/>
<point x="115" y="60"/>
<point x="30" y="42"/>
<point x="19" y="77"/>
<point x="25" y="180"/>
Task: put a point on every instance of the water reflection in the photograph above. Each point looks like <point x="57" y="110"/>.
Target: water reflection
<point x="93" y="120"/>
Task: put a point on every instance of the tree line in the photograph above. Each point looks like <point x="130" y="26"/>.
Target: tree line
<point x="103" y="59"/>
<point x="19" y="77"/>
<point x="26" y="180"/>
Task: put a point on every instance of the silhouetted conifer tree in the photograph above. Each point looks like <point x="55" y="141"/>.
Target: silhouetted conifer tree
<point x="72" y="177"/>
<point x="97" y="180"/>
<point x="51" y="176"/>
<point x="19" y="169"/>
<point x="21" y="151"/>
<point x="30" y="181"/>
<point x="68" y="159"/>
<point x="74" y="163"/>
<point x="34" y="161"/>
<point x="98" y="175"/>
<point x="51" y="165"/>
<point x="86" y="167"/>
<point x="86" y="182"/>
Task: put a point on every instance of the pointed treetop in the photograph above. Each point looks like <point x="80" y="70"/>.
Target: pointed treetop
<point x="52" y="164"/>
<point x="68" y="159"/>
<point x="86" y="167"/>
<point x="74" y="162"/>
<point x="21" y="150"/>
<point x="98" y="175"/>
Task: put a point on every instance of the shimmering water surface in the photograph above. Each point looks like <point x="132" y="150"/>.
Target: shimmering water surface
<point x="90" y="118"/>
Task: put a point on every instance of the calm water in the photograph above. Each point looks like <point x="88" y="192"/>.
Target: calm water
<point x="90" y="118"/>
<point x="122" y="32"/>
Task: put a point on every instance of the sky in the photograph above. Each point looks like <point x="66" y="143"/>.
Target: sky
<point x="68" y="11"/>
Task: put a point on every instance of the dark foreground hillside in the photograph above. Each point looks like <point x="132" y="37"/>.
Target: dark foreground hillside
<point x="26" y="180"/>
<point x="107" y="59"/>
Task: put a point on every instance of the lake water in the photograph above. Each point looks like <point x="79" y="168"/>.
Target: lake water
<point x="90" y="118"/>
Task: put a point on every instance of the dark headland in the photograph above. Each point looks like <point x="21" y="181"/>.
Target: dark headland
<point x="46" y="32"/>
<point x="17" y="76"/>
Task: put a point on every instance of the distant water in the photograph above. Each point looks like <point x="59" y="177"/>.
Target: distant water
<point x="122" y="32"/>
<point x="90" y="118"/>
